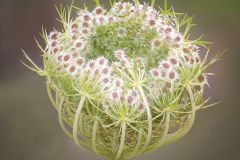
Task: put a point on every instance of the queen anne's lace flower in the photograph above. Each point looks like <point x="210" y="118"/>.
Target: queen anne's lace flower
<point x="125" y="79"/>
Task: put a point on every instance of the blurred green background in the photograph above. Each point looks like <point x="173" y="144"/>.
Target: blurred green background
<point x="29" y="129"/>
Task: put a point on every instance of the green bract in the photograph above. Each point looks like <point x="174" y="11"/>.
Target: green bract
<point x="124" y="81"/>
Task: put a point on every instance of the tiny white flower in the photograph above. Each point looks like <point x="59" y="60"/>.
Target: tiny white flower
<point x="118" y="83"/>
<point x="99" y="10"/>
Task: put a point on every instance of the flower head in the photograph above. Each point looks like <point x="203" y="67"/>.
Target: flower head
<point x="125" y="76"/>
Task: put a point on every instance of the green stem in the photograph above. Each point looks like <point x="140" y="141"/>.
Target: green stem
<point x="58" y="106"/>
<point x="60" y="118"/>
<point x="166" y="129"/>
<point x="51" y="96"/>
<point x="164" y="135"/>
<point x="114" y="141"/>
<point x="185" y="129"/>
<point x="136" y="151"/>
<point x="94" y="133"/>
<point x="149" y="118"/>
<point x="122" y="140"/>
<point x="76" y="121"/>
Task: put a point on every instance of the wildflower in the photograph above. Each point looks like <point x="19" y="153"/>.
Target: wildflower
<point x="99" y="10"/>
<point x="85" y="24"/>
<point x="173" y="61"/>
<point x="72" y="68"/>
<point x="91" y="66"/>
<point x="74" y="26"/>
<point x="186" y="58"/>
<point x="124" y="76"/>
<point x="80" y="61"/>
<point x="130" y="99"/>
<point x="155" y="73"/>
<point x="66" y="57"/>
<point x="140" y="61"/>
<point x="85" y="31"/>
<point x="111" y="18"/>
<point x="168" y="29"/>
<point x="141" y="106"/>
<point x="172" y="75"/>
<point x="165" y="65"/>
<point x="106" y="80"/>
<point x="106" y="70"/>
<point x="101" y="20"/>
<point x="115" y="95"/>
<point x="102" y="61"/>
<point x="87" y="17"/>
<point x="118" y="83"/>
<point x="54" y="35"/>
<point x="120" y="54"/>
<point x="178" y="38"/>
<point x="79" y="44"/>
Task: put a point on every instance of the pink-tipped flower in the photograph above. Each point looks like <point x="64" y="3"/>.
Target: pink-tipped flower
<point x="141" y="106"/>
<point x="178" y="38"/>
<point x="165" y="65"/>
<point x="91" y="65"/>
<point x="106" y="70"/>
<point x="120" y="54"/>
<point x="106" y="80"/>
<point x="140" y="61"/>
<point x="79" y="44"/>
<point x="118" y="83"/>
<point x="87" y="17"/>
<point x="54" y="35"/>
<point x="155" y="73"/>
<point x="134" y="93"/>
<point x="80" y="61"/>
<point x="66" y="57"/>
<point x="115" y="95"/>
<point x="102" y="61"/>
<point x="173" y="61"/>
<point x="101" y="20"/>
<point x="99" y="10"/>
<point x="172" y="75"/>
<point x="130" y="99"/>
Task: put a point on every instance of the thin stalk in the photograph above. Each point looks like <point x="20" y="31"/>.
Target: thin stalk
<point x="139" y="140"/>
<point x="122" y="140"/>
<point x="165" y="131"/>
<point x="114" y="142"/>
<point x="179" y="134"/>
<point x="60" y="118"/>
<point x="51" y="96"/>
<point x="76" y="121"/>
<point x="149" y="117"/>
<point x="94" y="137"/>
<point x="164" y="135"/>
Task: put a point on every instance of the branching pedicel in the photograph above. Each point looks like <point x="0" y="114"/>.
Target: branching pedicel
<point x="124" y="81"/>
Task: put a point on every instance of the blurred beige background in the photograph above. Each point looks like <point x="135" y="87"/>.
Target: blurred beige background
<point x="29" y="129"/>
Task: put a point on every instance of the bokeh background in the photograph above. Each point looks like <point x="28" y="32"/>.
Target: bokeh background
<point x="29" y="129"/>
